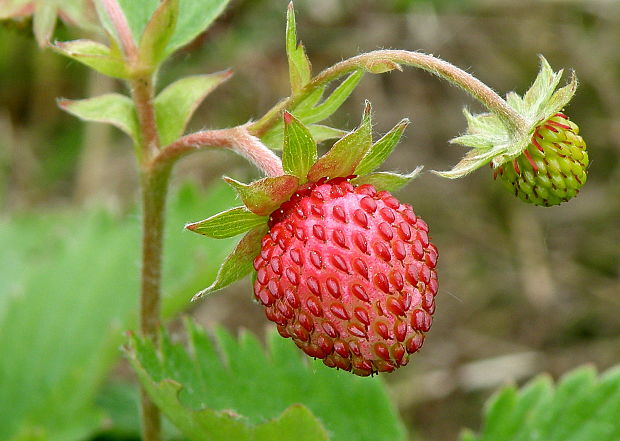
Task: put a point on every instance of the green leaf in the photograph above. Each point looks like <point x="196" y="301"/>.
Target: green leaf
<point x="298" y="63"/>
<point x="219" y="375"/>
<point x="581" y="407"/>
<point x="264" y="196"/>
<point x="381" y="149"/>
<point x="346" y="153"/>
<point x="275" y="137"/>
<point x="94" y="55"/>
<point x="175" y="105"/>
<point x="239" y="263"/>
<point x="387" y="180"/>
<point x="56" y="263"/>
<point x="296" y="423"/>
<point x="228" y="223"/>
<point x="299" y="152"/>
<point x="158" y="33"/>
<point x="322" y="133"/>
<point x="112" y="108"/>
<point x="309" y="113"/>
<point x="195" y="16"/>
<point x="333" y="102"/>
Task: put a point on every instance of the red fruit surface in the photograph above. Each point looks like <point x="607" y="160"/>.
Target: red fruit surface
<point x="349" y="274"/>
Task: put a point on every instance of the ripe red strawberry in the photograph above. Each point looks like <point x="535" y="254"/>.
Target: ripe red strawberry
<point x="345" y="270"/>
<point x="349" y="274"/>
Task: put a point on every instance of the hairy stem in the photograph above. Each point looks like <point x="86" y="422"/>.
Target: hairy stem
<point x="143" y="94"/>
<point x="154" y="191"/>
<point x="154" y="185"/>
<point x="370" y="60"/>
<point x="237" y="139"/>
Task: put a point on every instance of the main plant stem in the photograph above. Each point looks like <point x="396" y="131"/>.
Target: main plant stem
<point x="154" y="188"/>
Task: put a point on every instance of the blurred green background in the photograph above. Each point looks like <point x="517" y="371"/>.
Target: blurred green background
<point x="523" y="289"/>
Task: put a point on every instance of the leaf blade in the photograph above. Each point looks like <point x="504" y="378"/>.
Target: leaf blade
<point x="346" y="153"/>
<point x="112" y="108"/>
<point x="388" y="181"/>
<point x="298" y="63"/>
<point x="158" y="32"/>
<point x="175" y="105"/>
<point x="381" y="149"/>
<point x="299" y="152"/>
<point x="95" y="55"/>
<point x="238" y="264"/>
<point x="228" y="223"/>
<point x="264" y="196"/>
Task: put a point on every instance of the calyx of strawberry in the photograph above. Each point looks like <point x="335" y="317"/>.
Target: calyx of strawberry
<point x="492" y="141"/>
<point x="354" y="157"/>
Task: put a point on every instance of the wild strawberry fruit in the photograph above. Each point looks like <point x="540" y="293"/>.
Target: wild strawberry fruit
<point x="544" y="161"/>
<point x="553" y="167"/>
<point x="349" y="274"/>
<point x="342" y="267"/>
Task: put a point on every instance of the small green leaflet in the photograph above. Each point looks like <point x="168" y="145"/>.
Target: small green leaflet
<point x="388" y="181"/>
<point x="239" y="263"/>
<point x="262" y="197"/>
<point x="346" y="153"/>
<point x="333" y="102"/>
<point x="111" y="108"/>
<point x="299" y="152"/>
<point x="175" y="105"/>
<point x="194" y="17"/>
<point x="381" y="149"/>
<point x="228" y="223"/>
<point x="580" y="407"/>
<point x="158" y="32"/>
<point x="94" y="55"/>
<point x="309" y="113"/>
<point x="200" y="385"/>
<point x="298" y="63"/>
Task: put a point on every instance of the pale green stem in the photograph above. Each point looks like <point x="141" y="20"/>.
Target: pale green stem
<point x="391" y="58"/>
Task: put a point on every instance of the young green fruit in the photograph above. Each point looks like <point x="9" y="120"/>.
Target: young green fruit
<point x="348" y="273"/>
<point x="552" y="168"/>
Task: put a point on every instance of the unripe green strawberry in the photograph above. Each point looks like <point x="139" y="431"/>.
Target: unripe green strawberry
<point x="553" y="167"/>
<point x="349" y="274"/>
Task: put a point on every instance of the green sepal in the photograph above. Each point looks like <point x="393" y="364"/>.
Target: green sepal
<point x="322" y="133"/>
<point x="388" y="181"/>
<point x="228" y="223"/>
<point x="175" y="105"/>
<point x="310" y="100"/>
<point x="489" y="138"/>
<point x="298" y="63"/>
<point x="381" y="149"/>
<point x="112" y="108"/>
<point x="94" y="55"/>
<point x="309" y="112"/>
<point x="299" y="152"/>
<point x="333" y="102"/>
<point x="264" y="196"/>
<point x="157" y="34"/>
<point x="346" y="153"/>
<point x="239" y="263"/>
<point x="275" y="138"/>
